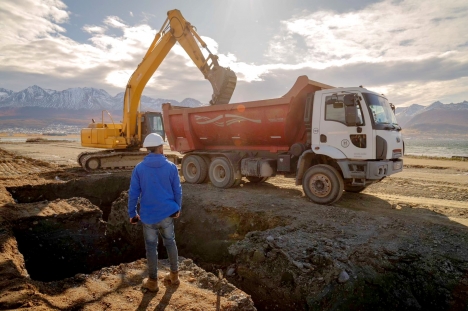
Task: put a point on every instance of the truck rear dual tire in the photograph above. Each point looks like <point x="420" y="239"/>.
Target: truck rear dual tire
<point x="194" y="169"/>
<point x="323" y="184"/>
<point x="221" y="173"/>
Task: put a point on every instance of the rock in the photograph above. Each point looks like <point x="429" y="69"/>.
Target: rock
<point x="258" y="256"/>
<point x="270" y="238"/>
<point x="298" y="264"/>
<point x="343" y="277"/>
<point x="231" y="271"/>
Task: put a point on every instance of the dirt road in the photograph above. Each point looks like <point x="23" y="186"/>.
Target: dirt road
<point x="400" y="244"/>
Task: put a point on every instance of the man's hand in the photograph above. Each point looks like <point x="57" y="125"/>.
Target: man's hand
<point x="176" y="215"/>
<point x="135" y="220"/>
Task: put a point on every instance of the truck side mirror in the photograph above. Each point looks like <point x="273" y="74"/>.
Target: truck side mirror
<point x="349" y="100"/>
<point x="350" y="110"/>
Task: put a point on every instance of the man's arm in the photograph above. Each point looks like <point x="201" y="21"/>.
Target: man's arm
<point x="176" y="187"/>
<point x="133" y="193"/>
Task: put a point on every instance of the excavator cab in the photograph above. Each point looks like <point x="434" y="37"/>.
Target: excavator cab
<point x="152" y="122"/>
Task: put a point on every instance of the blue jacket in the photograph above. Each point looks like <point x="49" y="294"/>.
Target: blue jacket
<point x="156" y="179"/>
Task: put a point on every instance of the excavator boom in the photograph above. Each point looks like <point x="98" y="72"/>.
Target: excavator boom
<point x="123" y="140"/>
<point x="176" y="29"/>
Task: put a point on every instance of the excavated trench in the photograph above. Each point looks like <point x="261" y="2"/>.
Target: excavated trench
<point x="73" y="237"/>
<point x="96" y="233"/>
<point x="80" y="226"/>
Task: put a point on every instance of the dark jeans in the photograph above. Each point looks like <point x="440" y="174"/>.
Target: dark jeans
<point x="150" y="233"/>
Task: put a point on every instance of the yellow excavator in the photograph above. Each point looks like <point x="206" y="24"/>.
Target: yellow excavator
<point x="124" y="140"/>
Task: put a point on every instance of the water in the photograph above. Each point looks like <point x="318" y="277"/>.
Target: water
<point x="436" y="147"/>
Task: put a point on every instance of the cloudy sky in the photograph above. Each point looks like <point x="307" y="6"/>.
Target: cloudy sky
<point x="412" y="51"/>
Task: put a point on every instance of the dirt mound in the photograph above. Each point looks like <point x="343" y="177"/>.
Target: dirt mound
<point x="14" y="166"/>
<point x="65" y="243"/>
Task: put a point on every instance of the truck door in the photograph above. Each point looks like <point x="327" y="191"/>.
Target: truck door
<point x="343" y="126"/>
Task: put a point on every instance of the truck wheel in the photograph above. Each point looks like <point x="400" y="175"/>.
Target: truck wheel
<point x="221" y="173"/>
<point x="323" y="184"/>
<point x="207" y="162"/>
<point x="355" y="189"/>
<point x="194" y="169"/>
<point x="256" y="180"/>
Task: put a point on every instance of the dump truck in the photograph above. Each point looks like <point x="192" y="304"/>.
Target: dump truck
<point x="329" y="139"/>
<point x="123" y="140"/>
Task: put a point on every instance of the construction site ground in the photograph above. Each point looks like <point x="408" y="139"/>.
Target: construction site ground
<point x="401" y="244"/>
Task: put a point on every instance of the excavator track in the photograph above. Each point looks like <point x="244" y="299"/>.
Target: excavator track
<point x="112" y="160"/>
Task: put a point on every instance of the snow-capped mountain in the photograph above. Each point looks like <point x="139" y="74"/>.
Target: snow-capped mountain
<point x="5" y="93"/>
<point x="436" y="118"/>
<point x="148" y="103"/>
<point x="74" y="98"/>
<point x="80" y="98"/>
<point x="406" y="114"/>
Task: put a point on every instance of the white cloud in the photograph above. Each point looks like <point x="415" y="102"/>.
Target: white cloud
<point x="94" y="29"/>
<point x="405" y="94"/>
<point x="115" y="21"/>
<point x="389" y="32"/>
<point x="382" y="32"/>
<point x="25" y="20"/>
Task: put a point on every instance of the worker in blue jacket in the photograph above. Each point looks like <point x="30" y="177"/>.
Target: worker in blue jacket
<point x="155" y="181"/>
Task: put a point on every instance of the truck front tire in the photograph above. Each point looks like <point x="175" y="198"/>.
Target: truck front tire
<point x="221" y="173"/>
<point x="194" y="169"/>
<point x="323" y="184"/>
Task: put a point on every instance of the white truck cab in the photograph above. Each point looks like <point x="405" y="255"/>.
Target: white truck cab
<point x="354" y="131"/>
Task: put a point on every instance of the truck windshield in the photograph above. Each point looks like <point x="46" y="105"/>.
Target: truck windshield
<point x="380" y="109"/>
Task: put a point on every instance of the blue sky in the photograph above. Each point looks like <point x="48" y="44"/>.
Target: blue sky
<point x="410" y="50"/>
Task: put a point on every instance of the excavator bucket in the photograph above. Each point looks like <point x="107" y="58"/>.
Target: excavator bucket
<point x="223" y="80"/>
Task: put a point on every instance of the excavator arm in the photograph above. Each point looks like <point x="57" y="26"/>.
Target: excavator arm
<point x="175" y="29"/>
<point x="123" y="140"/>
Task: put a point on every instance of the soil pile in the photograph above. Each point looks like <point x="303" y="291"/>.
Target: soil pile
<point x="65" y="243"/>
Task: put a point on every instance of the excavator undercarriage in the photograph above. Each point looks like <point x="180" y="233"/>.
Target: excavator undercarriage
<point x="114" y="160"/>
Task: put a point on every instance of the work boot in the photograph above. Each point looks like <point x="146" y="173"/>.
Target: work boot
<point x="150" y="284"/>
<point x="172" y="277"/>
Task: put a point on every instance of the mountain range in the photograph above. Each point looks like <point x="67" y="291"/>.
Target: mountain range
<point x="80" y="98"/>
<point x="35" y="107"/>
<point x="436" y="118"/>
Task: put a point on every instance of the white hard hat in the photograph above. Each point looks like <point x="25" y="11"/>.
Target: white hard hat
<point x="153" y="140"/>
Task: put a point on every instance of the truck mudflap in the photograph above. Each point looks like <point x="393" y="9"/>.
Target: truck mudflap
<point x="370" y="170"/>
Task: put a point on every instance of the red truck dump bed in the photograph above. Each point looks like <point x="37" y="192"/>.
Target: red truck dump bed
<point x="271" y="125"/>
